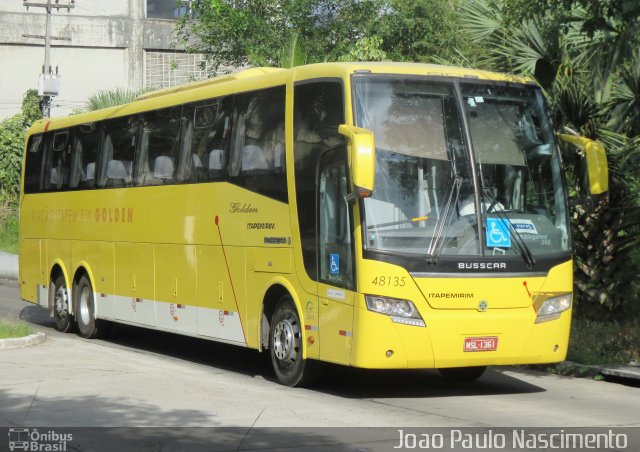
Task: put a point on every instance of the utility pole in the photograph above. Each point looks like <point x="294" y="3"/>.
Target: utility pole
<point x="49" y="83"/>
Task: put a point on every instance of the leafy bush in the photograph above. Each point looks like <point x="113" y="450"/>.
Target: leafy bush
<point x="9" y="231"/>
<point x="604" y="342"/>
<point x="12" y="133"/>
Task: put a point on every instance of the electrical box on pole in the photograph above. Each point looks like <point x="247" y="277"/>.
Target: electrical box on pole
<point x="48" y="85"/>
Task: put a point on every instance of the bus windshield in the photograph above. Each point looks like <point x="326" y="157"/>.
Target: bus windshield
<point x="427" y="185"/>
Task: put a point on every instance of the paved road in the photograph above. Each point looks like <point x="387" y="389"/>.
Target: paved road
<point x="141" y="378"/>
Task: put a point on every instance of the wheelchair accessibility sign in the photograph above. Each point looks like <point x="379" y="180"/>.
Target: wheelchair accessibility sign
<point x="498" y="233"/>
<point x="334" y="264"/>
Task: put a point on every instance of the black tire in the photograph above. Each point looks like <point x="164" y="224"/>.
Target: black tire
<point x="462" y="374"/>
<point x="85" y="309"/>
<point x="60" y="304"/>
<point x="285" y="345"/>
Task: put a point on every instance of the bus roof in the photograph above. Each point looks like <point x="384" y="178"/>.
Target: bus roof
<point x="243" y="80"/>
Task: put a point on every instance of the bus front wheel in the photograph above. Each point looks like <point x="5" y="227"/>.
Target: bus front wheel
<point x="60" y="303"/>
<point x="285" y="344"/>
<point x="85" y="309"/>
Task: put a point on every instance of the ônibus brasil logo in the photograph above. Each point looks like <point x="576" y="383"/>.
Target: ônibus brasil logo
<point x="33" y="440"/>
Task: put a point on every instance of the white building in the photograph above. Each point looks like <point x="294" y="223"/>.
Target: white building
<point x="107" y="44"/>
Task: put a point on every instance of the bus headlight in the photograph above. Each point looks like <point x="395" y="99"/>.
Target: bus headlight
<point x="552" y="307"/>
<point x="400" y="311"/>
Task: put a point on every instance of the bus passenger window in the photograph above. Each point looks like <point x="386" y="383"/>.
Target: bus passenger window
<point x="156" y="160"/>
<point x="257" y="160"/>
<point x="84" y="153"/>
<point x="117" y="152"/>
<point x="56" y="175"/>
<point x="33" y="164"/>
<point x="204" y="140"/>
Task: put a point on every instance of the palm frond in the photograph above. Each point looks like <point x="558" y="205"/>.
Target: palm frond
<point x="480" y="19"/>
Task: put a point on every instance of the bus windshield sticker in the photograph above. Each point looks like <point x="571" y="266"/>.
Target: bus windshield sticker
<point x="524" y="226"/>
<point x="334" y="264"/>
<point x="498" y="233"/>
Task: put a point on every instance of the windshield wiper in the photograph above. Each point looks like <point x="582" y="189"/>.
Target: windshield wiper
<point x="437" y="241"/>
<point x="522" y="247"/>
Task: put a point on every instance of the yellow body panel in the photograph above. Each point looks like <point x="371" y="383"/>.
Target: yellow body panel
<point x="199" y="259"/>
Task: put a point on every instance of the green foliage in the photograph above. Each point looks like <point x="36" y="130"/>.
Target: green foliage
<point x="604" y="342"/>
<point x="10" y="330"/>
<point x="278" y="32"/>
<point x="287" y="33"/>
<point x="31" y="106"/>
<point x="423" y="31"/>
<point x="111" y="98"/>
<point x="9" y="231"/>
<point x="12" y="131"/>
<point x="366" y="49"/>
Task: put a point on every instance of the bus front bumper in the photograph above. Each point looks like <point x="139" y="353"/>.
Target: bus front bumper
<point x="379" y="343"/>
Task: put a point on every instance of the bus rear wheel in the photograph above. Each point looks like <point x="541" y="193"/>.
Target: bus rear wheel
<point x="462" y="374"/>
<point x="285" y="344"/>
<point x="85" y="309"/>
<point x="60" y="303"/>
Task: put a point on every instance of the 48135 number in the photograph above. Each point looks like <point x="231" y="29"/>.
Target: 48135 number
<point x="390" y="281"/>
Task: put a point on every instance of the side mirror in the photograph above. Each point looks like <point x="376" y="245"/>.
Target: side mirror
<point x="596" y="157"/>
<point x="362" y="158"/>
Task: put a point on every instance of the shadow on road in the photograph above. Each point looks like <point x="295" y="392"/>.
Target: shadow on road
<point x="336" y="380"/>
<point x="38" y="316"/>
<point x="107" y="424"/>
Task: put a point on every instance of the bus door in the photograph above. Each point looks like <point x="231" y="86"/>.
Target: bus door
<point x="335" y="254"/>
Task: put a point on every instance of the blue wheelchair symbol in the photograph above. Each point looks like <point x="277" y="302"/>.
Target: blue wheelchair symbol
<point x="334" y="264"/>
<point x="498" y="233"/>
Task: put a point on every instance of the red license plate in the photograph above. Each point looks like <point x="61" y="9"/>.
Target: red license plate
<point x="480" y="344"/>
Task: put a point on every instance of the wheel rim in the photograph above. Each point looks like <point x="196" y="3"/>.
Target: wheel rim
<point x="61" y="302"/>
<point x="284" y="341"/>
<point x="85" y="314"/>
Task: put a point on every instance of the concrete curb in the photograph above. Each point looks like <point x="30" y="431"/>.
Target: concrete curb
<point x="8" y="266"/>
<point x="20" y="342"/>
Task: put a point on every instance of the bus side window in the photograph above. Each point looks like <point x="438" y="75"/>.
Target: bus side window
<point x="33" y="164"/>
<point x="84" y="152"/>
<point x="204" y="140"/>
<point x="56" y="171"/>
<point x="158" y="152"/>
<point x="117" y="152"/>
<point x="257" y="160"/>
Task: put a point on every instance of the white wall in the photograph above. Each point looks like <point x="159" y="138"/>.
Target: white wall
<point x="86" y="70"/>
<point x="83" y="7"/>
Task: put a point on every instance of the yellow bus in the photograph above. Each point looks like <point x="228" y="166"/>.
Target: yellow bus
<point x="376" y="215"/>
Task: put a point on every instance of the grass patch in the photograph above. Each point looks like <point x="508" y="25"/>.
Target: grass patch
<point x="8" y="330"/>
<point x="9" y="231"/>
<point x="604" y="342"/>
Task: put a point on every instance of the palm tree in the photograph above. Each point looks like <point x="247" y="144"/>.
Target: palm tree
<point x="111" y="98"/>
<point x="592" y="84"/>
